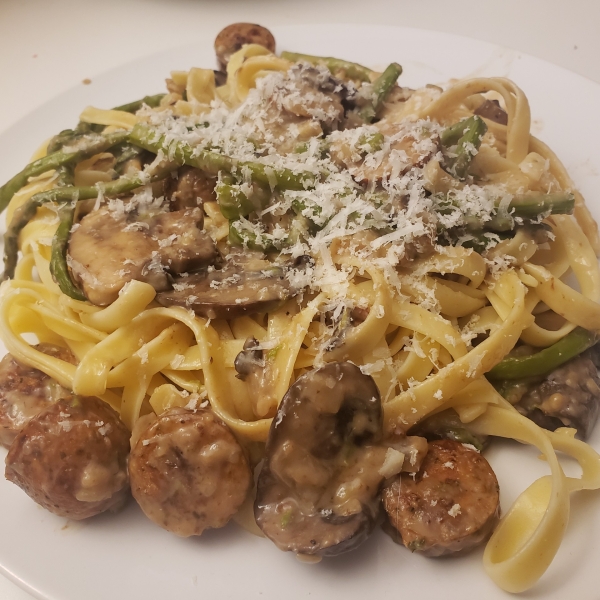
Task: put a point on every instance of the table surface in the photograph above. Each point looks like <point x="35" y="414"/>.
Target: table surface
<point x="49" y="47"/>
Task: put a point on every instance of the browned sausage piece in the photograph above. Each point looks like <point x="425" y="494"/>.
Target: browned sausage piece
<point x="26" y="391"/>
<point x="451" y="505"/>
<point x="72" y="458"/>
<point x="188" y="472"/>
<point x="234" y="36"/>
<point x="191" y="188"/>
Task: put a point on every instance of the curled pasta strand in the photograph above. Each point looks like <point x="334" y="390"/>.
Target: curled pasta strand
<point x="528" y="536"/>
<point x="517" y="107"/>
<point x="582" y="212"/>
<point x="565" y="301"/>
<point x="581" y="255"/>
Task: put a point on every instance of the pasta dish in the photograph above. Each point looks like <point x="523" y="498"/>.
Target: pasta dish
<point x="294" y="293"/>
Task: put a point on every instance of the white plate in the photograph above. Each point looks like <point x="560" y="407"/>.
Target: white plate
<point x="125" y="556"/>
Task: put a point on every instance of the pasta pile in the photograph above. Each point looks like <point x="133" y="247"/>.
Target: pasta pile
<point x="433" y="322"/>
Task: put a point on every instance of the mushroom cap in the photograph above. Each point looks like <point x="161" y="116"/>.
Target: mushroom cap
<point x="317" y="492"/>
<point x="239" y="288"/>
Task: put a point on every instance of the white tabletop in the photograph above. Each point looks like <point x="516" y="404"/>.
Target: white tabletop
<point x="49" y="47"/>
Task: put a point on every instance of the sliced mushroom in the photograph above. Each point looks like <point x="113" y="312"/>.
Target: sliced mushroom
<point x="236" y="35"/>
<point x="256" y="370"/>
<point x="104" y="254"/>
<point x="569" y="396"/>
<point x="108" y="248"/>
<point x="317" y="492"/>
<point x="220" y="78"/>
<point x="245" y="285"/>
<point x="191" y="188"/>
<point x="250" y="360"/>
<point x="318" y="97"/>
<point x="306" y="104"/>
<point x="182" y="245"/>
<point x="401" y="150"/>
<point x="491" y="110"/>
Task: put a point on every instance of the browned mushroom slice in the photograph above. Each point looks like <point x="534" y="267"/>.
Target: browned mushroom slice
<point x="110" y="248"/>
<point x="318" y="97"/>
<point x="191" y="188"/>
<point x="236" y="289"/>
<point x="568" y="396"/>
<point x="105" y="252"/>
<point x="401" y="151"/>
<point x="257" y="372"/>
<point x="250" y="361"/>
<point x="491" y="110"/>
<point x="220" y="78"/>
<point x="317" y="493"/>
<point x="182" y="245"/>
<point x="236" y="35"/>
<point x="451" y="505"/>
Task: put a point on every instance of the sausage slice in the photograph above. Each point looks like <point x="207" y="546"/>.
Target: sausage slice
<point x="188" y="472"/>
<point x="451" y="505"/>
<point x="26" y="391"/>
<point x="72" y="458"/>
<point x="236" y="35"/>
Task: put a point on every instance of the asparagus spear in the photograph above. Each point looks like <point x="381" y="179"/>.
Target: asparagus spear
<point x="234" y="203"/>
<point x="467" y="136"/>
<point x="64" y="175"/>
<point x="70" y="136"/>
<point x="133" y="107"/>
<point x="96" y="144"/>
<point x="212" y="162"/>
<point x="243" y="237"/>
<point x="123" y="153"/>
<point x="382" y="86"/>
<point x="525" y="206"/>
<point x="62" y="195"/>
<point x="531" y="206"/>
<point x="58" y="262"/>
<point x="371" y="142"/>
<point x="335" y="65"/>
<point x="60" y="241"/>
<point x="544" y="361"/>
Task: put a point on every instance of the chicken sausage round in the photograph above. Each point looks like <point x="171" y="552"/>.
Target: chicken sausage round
<point x="26" y="391"/>
<point x="236" y="35"/>
<point x="451" y="505"/>
<point x="72" y="458"/>
<point x="188" y="472"/>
